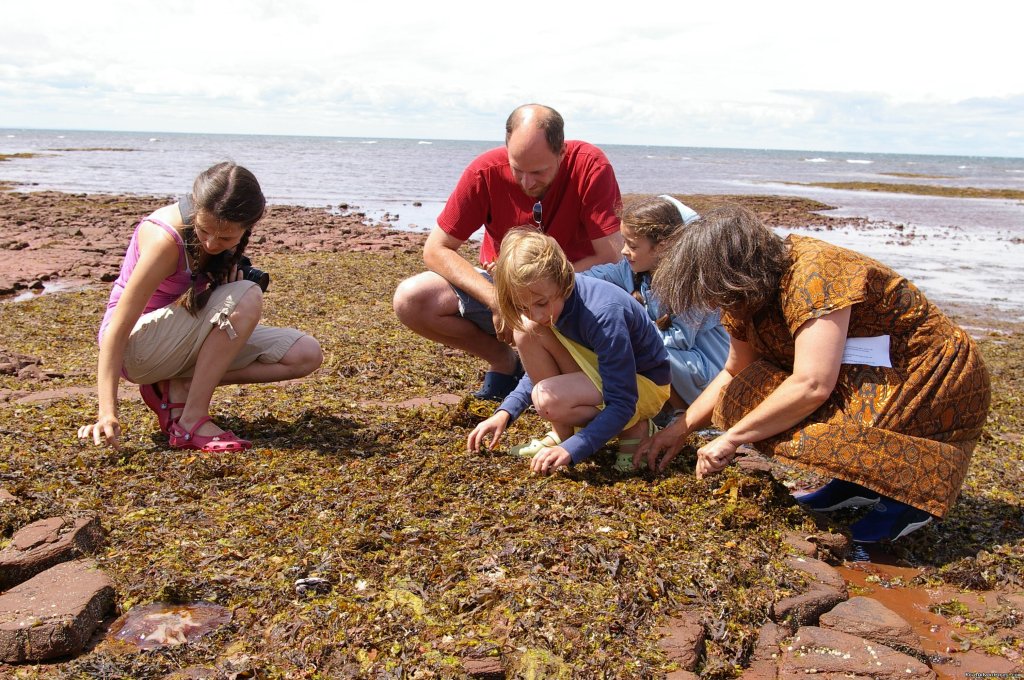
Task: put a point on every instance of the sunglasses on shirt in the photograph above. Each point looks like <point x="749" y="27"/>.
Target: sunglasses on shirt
<point x="538" y="215"/>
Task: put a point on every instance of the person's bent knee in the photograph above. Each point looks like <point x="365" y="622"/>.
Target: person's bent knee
<point x="530" y="334"/>
<point x="546" y="402"/>
<point x="305" y="356"/>
<point x="410" y="299"/>
<point x="403" y="299"/>
<point x="421" y="301"/>
<point x="250" y="305"/>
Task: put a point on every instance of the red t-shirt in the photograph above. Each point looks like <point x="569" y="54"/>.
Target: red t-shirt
<point x="578" y="207"/>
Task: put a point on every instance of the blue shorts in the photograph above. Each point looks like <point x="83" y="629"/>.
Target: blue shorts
<point x="473" y="310"/>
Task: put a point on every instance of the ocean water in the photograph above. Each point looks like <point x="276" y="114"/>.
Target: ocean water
<point x="961" y="250"/>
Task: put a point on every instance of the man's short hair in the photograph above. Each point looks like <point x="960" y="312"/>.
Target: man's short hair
<point x="546" y="119"/>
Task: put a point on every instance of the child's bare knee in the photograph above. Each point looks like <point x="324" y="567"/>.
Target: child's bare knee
<point x="546" y="403"/>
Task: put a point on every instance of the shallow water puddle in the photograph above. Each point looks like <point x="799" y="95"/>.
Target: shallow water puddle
<point x="161" y="625"/>
<point x="942" y="640"/>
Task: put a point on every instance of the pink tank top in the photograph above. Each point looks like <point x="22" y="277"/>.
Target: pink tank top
<point x="169" y="290"/>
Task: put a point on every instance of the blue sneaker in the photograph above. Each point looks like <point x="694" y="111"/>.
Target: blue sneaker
<point x="887" y="521"/>
<point x="497" y="386"/>
<point x="838" y="494"/>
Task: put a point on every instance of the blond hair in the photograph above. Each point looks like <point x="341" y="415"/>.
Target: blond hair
<point x="528" y="256"/>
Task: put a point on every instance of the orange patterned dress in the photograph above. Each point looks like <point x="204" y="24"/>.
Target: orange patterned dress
<point x="907" y="431"/>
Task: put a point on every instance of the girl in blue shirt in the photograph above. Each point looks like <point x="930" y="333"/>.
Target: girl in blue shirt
<point x="697" y="343"/>
<point x="596" y="366"/>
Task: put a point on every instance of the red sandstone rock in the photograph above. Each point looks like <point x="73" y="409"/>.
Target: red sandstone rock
<point x="871" y="620"/>
<point x="820" y="572"/>
<point x="45" y="543"/>
<point x="800" y="544"/>
<point x="764" y="661"/>
<point x="805" y="608"/>
<point x="829" y="544"/>
<point x="484" y="667"/>
<point x="55" y="613"/>
<point x="7" y="497"/>
<point x="683" y="640"/>
<point x="831" y="654"/>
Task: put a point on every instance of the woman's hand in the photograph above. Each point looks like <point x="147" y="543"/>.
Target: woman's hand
<point x="493" y="427"/>
<point x="549" y="459"/>
<point x="665" y="444"/>
<point x="106" y="430"/>
<point x="715" y="455"/>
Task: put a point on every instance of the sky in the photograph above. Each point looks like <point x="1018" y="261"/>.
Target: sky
<point x="901" y="76"/>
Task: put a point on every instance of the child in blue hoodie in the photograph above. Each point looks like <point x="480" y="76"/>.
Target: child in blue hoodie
<point x="596" y="367"/>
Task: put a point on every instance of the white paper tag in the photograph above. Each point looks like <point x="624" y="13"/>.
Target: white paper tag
<point x="868" y="351"/>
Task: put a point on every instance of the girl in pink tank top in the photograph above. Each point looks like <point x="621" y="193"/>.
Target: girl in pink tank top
<point x="182" y="318"/>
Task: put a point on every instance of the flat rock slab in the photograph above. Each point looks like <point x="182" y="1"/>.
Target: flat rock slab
<point x="6" y="496"/>
<point x="871" y="620"/>
<point x="833" y="655"/>
<point x="805" y="608"/>
<point x="818" y="571"/>
<point x="43" y="544"/>
<point x="683" y="640"/>
<point x="483" y="667"/>
<point x="55" y="613"/>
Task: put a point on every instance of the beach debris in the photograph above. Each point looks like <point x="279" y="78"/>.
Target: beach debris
<point x="162" y="624"/>
<point x="312" y="586"/>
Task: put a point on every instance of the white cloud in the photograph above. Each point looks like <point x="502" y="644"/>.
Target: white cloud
<point x="908" y="76"/>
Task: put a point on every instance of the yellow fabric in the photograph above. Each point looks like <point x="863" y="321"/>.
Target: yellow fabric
<point x="651" y="396"/>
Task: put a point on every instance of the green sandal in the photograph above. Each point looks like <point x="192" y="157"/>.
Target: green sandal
<point x="624" y="461"/>
<point x="530" y="449"/>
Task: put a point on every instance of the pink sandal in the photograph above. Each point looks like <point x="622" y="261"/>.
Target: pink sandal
<point x="154" y="397"/>
<point x="180" y="438"/>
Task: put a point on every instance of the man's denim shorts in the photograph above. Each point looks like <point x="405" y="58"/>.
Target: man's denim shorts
<point x="473" y="310"/>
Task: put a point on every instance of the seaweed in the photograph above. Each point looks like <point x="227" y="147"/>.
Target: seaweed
<point x="431" y="554"/>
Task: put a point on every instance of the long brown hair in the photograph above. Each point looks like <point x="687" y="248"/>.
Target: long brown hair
<point x="230" y="193"/>
<point x="726" y="258"/>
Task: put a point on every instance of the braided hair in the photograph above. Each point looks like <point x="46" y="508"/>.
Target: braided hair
<point x="230" y="193"/>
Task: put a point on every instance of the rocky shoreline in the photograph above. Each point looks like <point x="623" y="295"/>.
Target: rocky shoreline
<point x="381" y="416"/>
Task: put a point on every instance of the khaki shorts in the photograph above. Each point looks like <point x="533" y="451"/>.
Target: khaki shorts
<point x="165" y="343"/>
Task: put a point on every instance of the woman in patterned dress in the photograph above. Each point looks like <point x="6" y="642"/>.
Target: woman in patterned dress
<point x="836" y="363"/>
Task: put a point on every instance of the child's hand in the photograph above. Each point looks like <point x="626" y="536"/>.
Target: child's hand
<point x="549" y="459"/>
<point x="493" y="427"/>
<point x="106" y="430"/>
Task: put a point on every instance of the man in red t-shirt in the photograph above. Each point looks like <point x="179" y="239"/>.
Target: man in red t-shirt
<point x="566" y="188"/>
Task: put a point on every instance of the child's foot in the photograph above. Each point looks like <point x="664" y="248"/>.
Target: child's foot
<point x="531" y="448"/>
<point x="628" y="447"/>
<point x="204" y="435"/>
